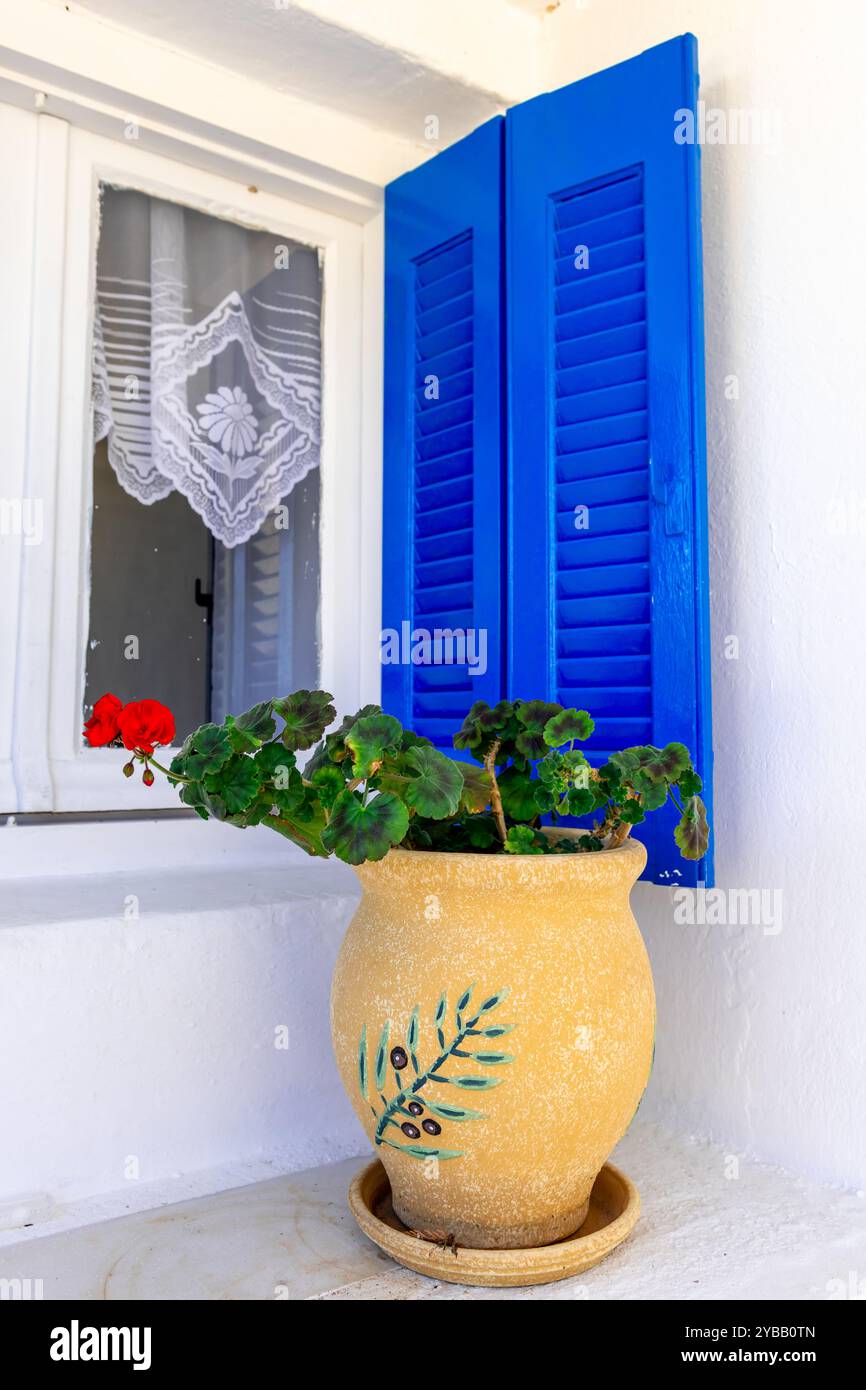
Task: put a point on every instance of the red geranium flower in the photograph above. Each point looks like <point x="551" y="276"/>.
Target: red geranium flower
<point x="145" y="723"/>
<point x="102" y="727"/>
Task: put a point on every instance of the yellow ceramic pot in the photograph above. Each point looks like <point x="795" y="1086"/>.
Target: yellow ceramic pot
<point x="493" y="1020"/>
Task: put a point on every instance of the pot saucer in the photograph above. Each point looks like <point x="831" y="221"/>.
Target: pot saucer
<point x="614" y="1207"/>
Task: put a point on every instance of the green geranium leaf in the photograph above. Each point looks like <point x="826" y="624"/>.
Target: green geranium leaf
<point x="652" y="794"/>
<point x="631" y="812"/>
<point x="252" y="728"/>
<point x="435" y="790"/>
<point x="693" y="832"/>
<point x="290" y="797"/>
<point x="369" y="740"/>
<point x="329" y="782"/>
<point x="522" y="839"/>
<point x="476" y="723"/>
<point x="517" y="790"/>
<point x="689" y="783"/>
<point x="192" y="794"/>
<point x="357" y="832"/>
<point x="475" y="792"/>
<point x="545" y="798"/>
<point x="216" y="806"/>
<point x="275" y="762"/>
<point x="210" y="749"/>
<point x="571" y="724"/>
<point x="535" y="714"/>
<point x="481" y="831"/>
<point x="581" y="801"/>
<point x="668" y="764"/>
<point x="626" y="762"/>
<point x="307" y="714"/>
<point x="236" y="782"/>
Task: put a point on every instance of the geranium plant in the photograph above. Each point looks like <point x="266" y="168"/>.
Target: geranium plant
<point x="370" y="784"/>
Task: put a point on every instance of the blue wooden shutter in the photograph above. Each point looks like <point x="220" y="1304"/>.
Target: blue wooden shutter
<point x="608" y="606"/>
<point x="443" y="466"/>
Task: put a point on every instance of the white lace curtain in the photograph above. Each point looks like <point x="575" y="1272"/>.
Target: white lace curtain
<point x="207" y="360"/>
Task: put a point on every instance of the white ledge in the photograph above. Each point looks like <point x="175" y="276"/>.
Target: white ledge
<point x="702" y="1234"/>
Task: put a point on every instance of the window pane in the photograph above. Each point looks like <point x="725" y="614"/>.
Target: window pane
<point x="148" y="636"/>
<point x="206" y="382"/>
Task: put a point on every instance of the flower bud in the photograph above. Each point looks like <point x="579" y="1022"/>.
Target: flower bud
<point x="128" y="768"/>
<point x="147" y="777"/>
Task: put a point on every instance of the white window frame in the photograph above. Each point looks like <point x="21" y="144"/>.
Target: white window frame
<point x="51" y="768"/>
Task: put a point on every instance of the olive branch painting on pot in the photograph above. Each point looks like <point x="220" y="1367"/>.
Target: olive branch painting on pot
<point x="408" y="1101"/>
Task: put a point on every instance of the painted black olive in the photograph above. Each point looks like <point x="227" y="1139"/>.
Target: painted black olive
<point x="411" y="1131"/>
<point x="398" y="1058"/>
<point x="415" y="1107"/>
<point x="430" y="1127"/>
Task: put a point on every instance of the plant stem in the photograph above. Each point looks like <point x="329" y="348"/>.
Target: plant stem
<point x="175" y="776"/>
<point x="495" y="797"/>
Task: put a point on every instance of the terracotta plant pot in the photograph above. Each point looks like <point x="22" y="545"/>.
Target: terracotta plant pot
<point x="493" y="1020"/>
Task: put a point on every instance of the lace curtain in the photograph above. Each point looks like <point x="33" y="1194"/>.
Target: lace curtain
<point x="207" y="360"/>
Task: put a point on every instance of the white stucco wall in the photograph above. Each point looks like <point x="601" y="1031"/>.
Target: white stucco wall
<point x="164" y="1005"/>
<point x="761" y="1038"/>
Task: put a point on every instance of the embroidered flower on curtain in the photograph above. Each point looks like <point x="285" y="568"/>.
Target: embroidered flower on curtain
<point x="228" y="420"/>
<point x="220" y="403"/>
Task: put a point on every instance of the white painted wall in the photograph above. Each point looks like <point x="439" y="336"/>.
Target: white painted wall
<point x="761" y="1039"/>
<point x="140" y="1003"/>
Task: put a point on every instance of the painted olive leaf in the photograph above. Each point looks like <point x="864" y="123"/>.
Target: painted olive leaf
<point x="307" y="714"/>
<point x="452" y="1112"/>
<point x="369" y="740"/>
<point x="382" y="1056"/>
<point x="570" y="724"/>
<point x="492" y="1059"/>
<point x="434" y="789"/>
<point x="412" y="1038"/>
<point x="461" y="1006"/>
<point x="496" y="1030"/>
<point x="495" y="1000"/>
<point x="475" y="1083"/>
<point x="692" y="834"/>
<point x="362" y="1064"/>
<point x="357" y="832"/>
<point x="419" y="1151"/>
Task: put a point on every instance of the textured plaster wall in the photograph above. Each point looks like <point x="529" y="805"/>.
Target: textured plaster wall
<point x="169" y="1013"/>
<point x="761" y="1036"/>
